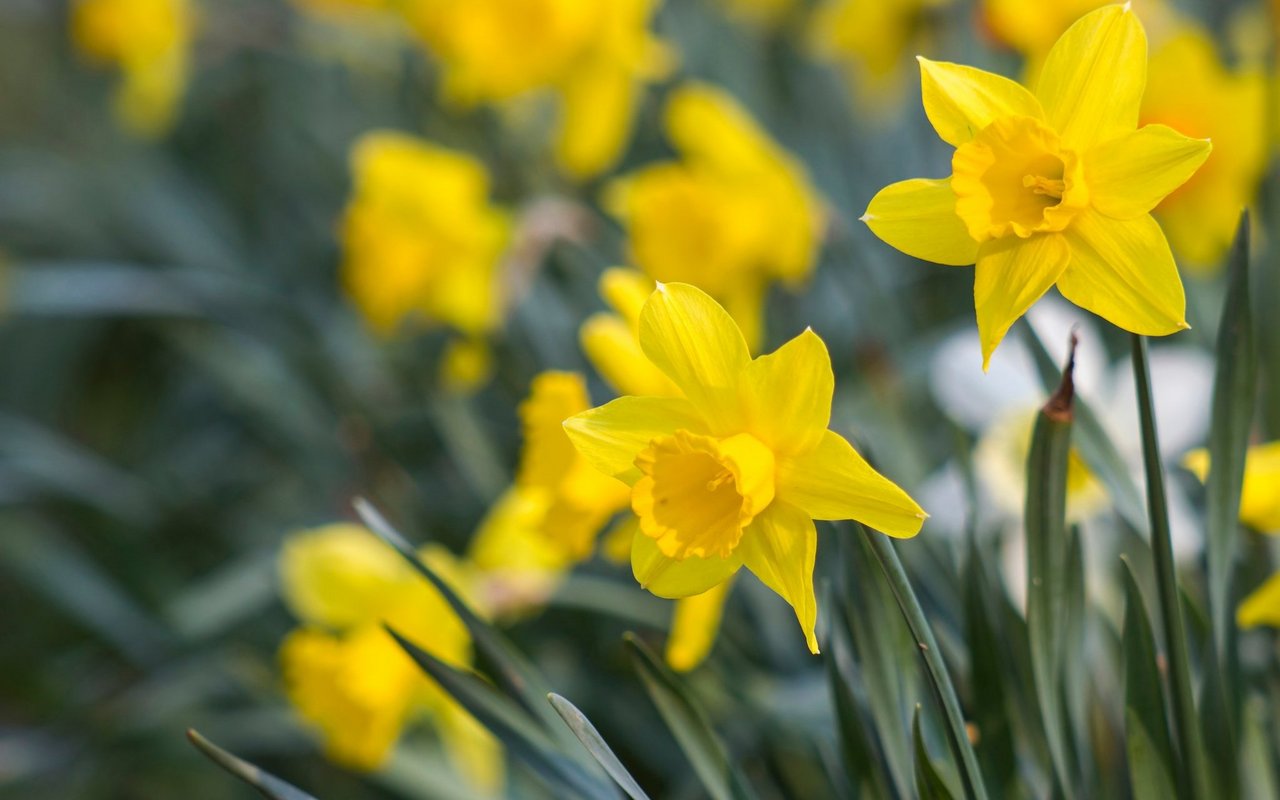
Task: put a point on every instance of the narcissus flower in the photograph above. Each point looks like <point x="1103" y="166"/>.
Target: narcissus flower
<point x="735" y="214"/>
<point x="734" y="470"/>
<point x="148" y="41"/>
<point x="611" y="340"/>
<point x="347" y="677"/>
<point x="869" y="39"/>
<point x="1051" y="188"/>
<point x="594" y="57"/>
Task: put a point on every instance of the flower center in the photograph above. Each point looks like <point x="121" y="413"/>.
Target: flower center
<point x="698" y="493"/>
<point x="1015" y="178"/>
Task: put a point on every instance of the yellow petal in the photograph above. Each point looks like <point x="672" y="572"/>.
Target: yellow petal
<point x="1260" y="500"/>
<point x="475" y="753"/>
<point x="672" y="579"/>
<point x="1123" y="272"/>
<point x="340" y="575"/>
<point x="599" y="100"/>
<point x="707" y="124"/>
<point x="1092" y="81"/>
<point x="834" y="482"/>
<point x="692" y="339"/>
<point x="780" y="548"/>
<point x="1130" y="174"/>
<point x="790" y="391"/>
<point x="694" y="626"/>
<point x="611" y="346"/>
<point x="626" y="290"/>
<point x="960" y="100"/>
<point x="548" y="454"/>
<point x="1011" y="275"/>
<point x="611" y="436"/>
<point x="1262" y="607"/>
<point x="919" y="218"/>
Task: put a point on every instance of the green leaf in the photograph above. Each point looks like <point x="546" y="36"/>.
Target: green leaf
<point x="929" y="784"/>
<point x="268" y="785"/>
<point x="1047" y="566"/>
<point x="992" y="672"/>
<point x="689" y="724"/>
<point x="596" y="745"/>
<point x="1151" y="761"/>
<point x="514" y="727"/>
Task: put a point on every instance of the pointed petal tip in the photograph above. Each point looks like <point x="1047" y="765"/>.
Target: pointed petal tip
<point x="867" y="217"/>
<point x="659" y="286"/>
<point x="1127" y="7"/>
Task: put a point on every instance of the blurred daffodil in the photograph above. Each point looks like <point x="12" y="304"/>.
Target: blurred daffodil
<point x="735" y="214"/>
<point x="347" y="677"/>
<point x="148" y="41"/>
<point x="611" y="340"/>
<point x="593" y="56"/>
<point x="1033" y="26"/>
<point x="869" y="39"/>
<point x="1051" y="188"/>
<point x="1260" y="510"/>
<point x="734" y="471"/>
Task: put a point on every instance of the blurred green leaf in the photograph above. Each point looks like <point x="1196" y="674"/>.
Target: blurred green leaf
<point x="929" y="784"/>
<point x="993" y="674"/>
<point x="596" y="745"/>
<point x="267" y="784"/>
<point x="1151" y="761"/>
<point x="689" y="724"/>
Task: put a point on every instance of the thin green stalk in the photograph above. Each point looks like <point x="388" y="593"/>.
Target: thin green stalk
<point x="1185" y="721"/>
<point x="939" y="678"/>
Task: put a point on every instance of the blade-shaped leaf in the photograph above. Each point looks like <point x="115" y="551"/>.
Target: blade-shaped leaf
<point x="929" y="784"/>
<point x="268" y="785"/>
<point x="990" y="674"/>
<point x="596" y="745"/>
<point x="1151" y="764"/>
<point x="689" y="725"/>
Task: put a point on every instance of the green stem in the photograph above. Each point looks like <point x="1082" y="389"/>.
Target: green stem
<point x="939" y="678"/>
<point x="1185" y="721"/>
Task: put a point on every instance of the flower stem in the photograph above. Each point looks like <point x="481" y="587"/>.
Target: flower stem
<point x="939" y="678"/>
<point x="1185" y="721"/>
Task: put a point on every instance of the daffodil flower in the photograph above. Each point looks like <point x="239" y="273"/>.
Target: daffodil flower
<point x="869" y="39"/>
<point x="733" y="472"/>
<point x="1051" y="188"/>
<point x="347" y="677"/>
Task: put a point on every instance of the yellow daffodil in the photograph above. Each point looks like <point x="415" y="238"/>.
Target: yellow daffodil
<point x="611" y="340"/>
<point x="734" y="470"/>
<point x="148" y="41"/>
<point x="1032" y="26"/>
<point x="1260" y="510"/>
<point x="422" y="243"/>
<point x="733" y="215"/>
<point x="593" y="56"/>
<point x="514" y="561"/>
<point x="1191" y="90"/>
<point x="694" y="626"/>
<point x="869" y="40"/>
<point x="347" y="677"/>
<point x="1051" y="188"/>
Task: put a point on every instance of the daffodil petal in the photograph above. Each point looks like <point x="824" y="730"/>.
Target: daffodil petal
<point x="1260" y="498"/>
<point x="919" y="218"/>
<point x="598" y="103"/>
<point x="960" y="100"/>
<point x="833" y="482"/>
<point x="694" y="627"/>
<point x="780" y="548"/>
<point x="340" y="575"/>
<point x="612" y="348"/>
<point x="1010" y="276"/>
<point x="692" y="339"/>
<point x="1262" y="606"/>
<point x="1092" y="81"/>
<point x="790" y="391"/>
<point x="1129" y="175"/>
<point x="1123" y="272"/>
<point x="474" y="752"/>
<point x="667" y="577"/>
<point x="609" y="437"/>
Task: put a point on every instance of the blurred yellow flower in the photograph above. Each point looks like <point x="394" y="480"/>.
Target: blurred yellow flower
<point x="420" y="239"/>
<point x="735" y="470"/>
<point x="1051" y="188"/>
<point x="1260" y="497"/>
<point x="1033" y="26"/>
<point x="594" y="56"/>
<point x="869" y="39"/>
<point x="1001" y="457"/>
<point x="148" y="42"/>
<point x="347" y="677"/>
<point x="694" y="626"/>
<point x="611" y="340"/>
<point x="736" y="213"/>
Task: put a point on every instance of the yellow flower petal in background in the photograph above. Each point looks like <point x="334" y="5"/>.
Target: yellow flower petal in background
<point x="791" y="391"/>
<point x="1130" y="174"/>
<point x="918" y="217"/>
<point x="673" y="579"/>
<point x="1260" y="496"/>
<point x="1262" y="606"/>
<point x="516" y="565"/>
<point x="473" y="751"/>
<point x="695" y="342"/>
<point x="780" y="550"/>
<point x="1092" y="81"/>
<point x="1123" y="272"/>
<point x="598" y="102"/>
<point x="694" y="626"/>
<point x="340" y="575"/>
<point x="1011" y="275"/>
<point x="611" y="341"/>
<point x="466" y="365"/>
<point x="834" y="482"/>
<point x="548" y="455"/>
<point x="610" y="437"/>
<point x="706" y="125"/>
<point x="960" y="100"/>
